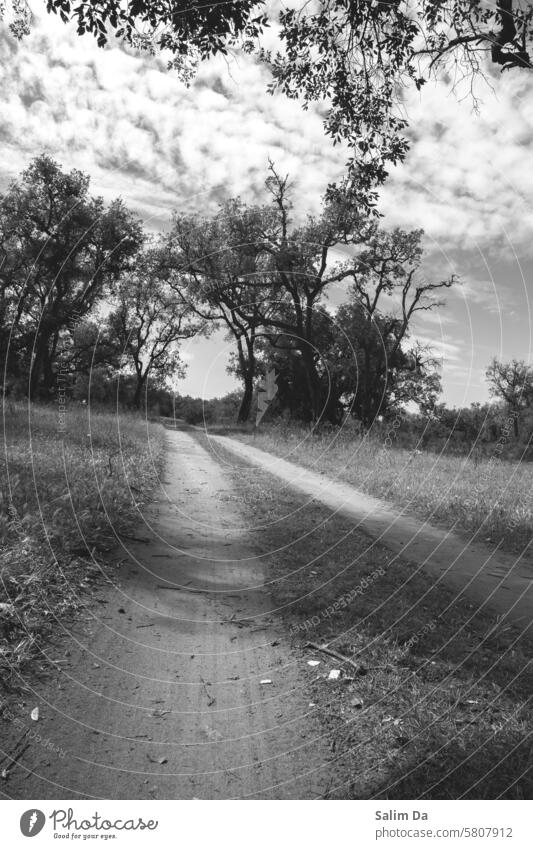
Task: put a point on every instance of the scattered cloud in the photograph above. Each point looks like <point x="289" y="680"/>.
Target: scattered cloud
<point x="465" y="180"/>
<point x="141" y="134"/>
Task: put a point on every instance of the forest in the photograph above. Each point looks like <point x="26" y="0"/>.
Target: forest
<point x="95" y="307"/>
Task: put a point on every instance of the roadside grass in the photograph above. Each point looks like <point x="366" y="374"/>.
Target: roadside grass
<point x="440" y="706"/>
<point x="487" y="496"/>
<point x="64" y="499"/>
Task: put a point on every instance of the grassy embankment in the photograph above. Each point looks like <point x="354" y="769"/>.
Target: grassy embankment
<point x="489" y="496"/>
<point x="63" y="499"/>
<point x="440" y="704"/>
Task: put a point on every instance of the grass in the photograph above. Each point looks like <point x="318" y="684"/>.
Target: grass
<point x="440" y="707"/>
<point x="488" y="496"/>
<point x="65" y="497"/>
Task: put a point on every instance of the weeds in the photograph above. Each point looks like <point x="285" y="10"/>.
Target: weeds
<point x="491" y="497"/>
<point x="440" y="707"/>
<point x="64" y="500"/>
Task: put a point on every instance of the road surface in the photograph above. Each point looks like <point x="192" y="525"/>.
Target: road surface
<point x="159" y="692"/>
<point x="490" y="577"/>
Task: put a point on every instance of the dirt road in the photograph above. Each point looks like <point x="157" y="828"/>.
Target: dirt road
<point x="159" y="692"/>
<point x="486" y="575"/>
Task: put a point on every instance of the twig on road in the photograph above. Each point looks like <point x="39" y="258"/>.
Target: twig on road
<point x="183" y="589"/>
<point x="332" y="653"/>
<point x="210" y="699"/>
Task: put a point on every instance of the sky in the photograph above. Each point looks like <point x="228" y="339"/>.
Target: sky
<point x="142" y="135"/>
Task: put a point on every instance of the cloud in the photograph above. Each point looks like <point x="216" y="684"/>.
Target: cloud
<point x="465" y="179"/>
<point x="142" y="134"/>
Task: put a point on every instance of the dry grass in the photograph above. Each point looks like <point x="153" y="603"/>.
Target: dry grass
<point x="489" y="496"/>
<point x="441" y="705"/>
<point x="64" y="499"/>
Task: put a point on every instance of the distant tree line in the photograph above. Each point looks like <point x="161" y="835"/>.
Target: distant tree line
<point x="90" y="301"/>
<point x="87" y="297"/>
<point x="83" y="293"/>
<point x="267" y="278"/>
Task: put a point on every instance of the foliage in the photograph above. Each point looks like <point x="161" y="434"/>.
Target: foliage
<point x="267" y="277"/>
<point x="512" y="383"/>
<point x="60" y="250"/>
<point x="219" y="266"/>
<point x="354" y="57"/>
<point x="148" y="321"/>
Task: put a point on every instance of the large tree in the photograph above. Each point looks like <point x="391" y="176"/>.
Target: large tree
<point x="355" y="56"/>
<point x="299" y="264"/>
<point x="374" y="369"/>
<point x="149" y="321"/>
<point x="267" y="277"/>
<point x="388" y="290"/>
<point x="512" y="383"/>
<point x="221" y="273"/>
<point x="60" y="251"/>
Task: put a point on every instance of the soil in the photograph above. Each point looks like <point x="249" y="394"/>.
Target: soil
<point x="180" y="682"/>
<point x="490" y="578"/>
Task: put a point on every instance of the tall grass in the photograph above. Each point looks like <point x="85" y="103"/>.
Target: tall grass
<point x="65" y="498"/>
<point x="440" y="705"/>
<point x="485" y="495"/>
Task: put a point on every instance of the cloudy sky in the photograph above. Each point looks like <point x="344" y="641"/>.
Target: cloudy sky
<point x="142" y="135"/>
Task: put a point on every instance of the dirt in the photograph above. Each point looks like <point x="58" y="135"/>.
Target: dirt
<point x="487" y="576"/>
<point x="179" y="682"/>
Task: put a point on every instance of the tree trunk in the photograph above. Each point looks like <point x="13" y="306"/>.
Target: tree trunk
<point x="247" y="364"/>
<point x="246" y="403"/>
<point x="137" y="397"/>
<point x="49" y="376"/>
<point x="313" y="389"/>
<point x="516" y="426"/>
<point x="38" y="364"/>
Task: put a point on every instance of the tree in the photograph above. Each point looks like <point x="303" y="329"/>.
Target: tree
<point x="356" y="56"/>
<point x="149" y="321"/>
<point x="387" y="292"/>
<point x="60" y="250"/>
<point x="298" y="266"/>
<point x="267" y="278"/>
<point x="361" y="368"/>
<point x="384" y="271"/>
<point x="219" y="271"/>
<point x="512" y="383"/>
<point x="372" y="371"/>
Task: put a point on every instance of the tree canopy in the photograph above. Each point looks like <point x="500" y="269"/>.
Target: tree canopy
<point x="354" y="57"/>
<point x="267" y="277"/>
<point x="60" y="249"/>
